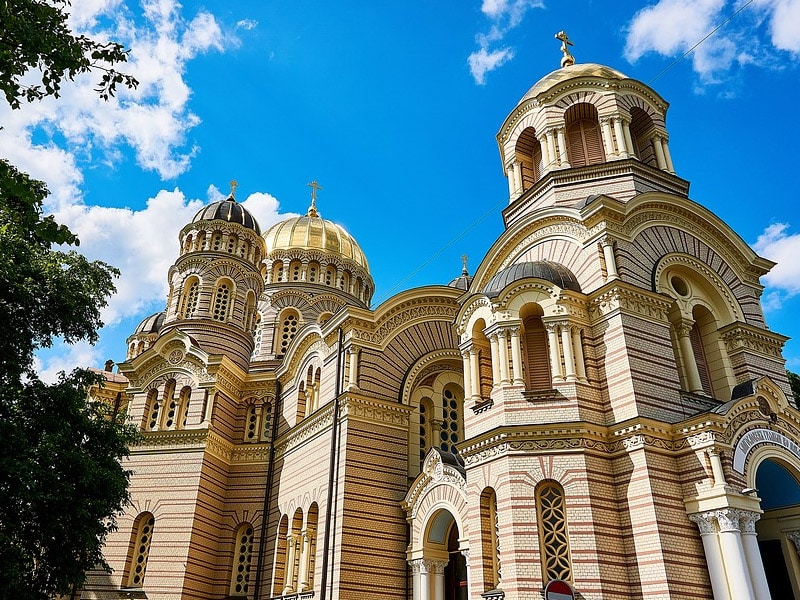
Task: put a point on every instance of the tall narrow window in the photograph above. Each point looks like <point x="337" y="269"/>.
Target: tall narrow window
<point x="251" y="426"/>
<point x="140" y="550"/>
<point x="535" y="356"/>
<point x="490" y="540"/>
<point x="266" y="422"/>
<point x="553" y="538"/>
<point x="450" y="433"/>
<point x="425" y="420"/>
<point x="189" y="300"/>
<point x="281" y="550"/>
<point x="250" y="312"/>
<point x="240" y="577"/>
<point x="529" y="153"/>
<point x="222" y="301"/>
<point x="584" y="142"/>
<point x="183" y="406"/>
<point x="170" y="404"/>
<point x="151" y="411"/>
<point x="289" y="325"/>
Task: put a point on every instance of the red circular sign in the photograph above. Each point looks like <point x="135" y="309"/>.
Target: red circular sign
<point x="558" y="590"/>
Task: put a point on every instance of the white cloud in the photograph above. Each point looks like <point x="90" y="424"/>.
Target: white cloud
<point x="776" y="244"/>
<point x="672" y="27"/>
<point x="247" y="24"/>
<point x="482" y="61"/>
<point x="504" y="16"/>
<point x="65" y="359"/>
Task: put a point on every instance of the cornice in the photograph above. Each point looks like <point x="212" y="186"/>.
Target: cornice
<point x="621" y="297"/>
<point x="403" y="315"/>
<point x="743" y="337"/>
<point x="370" y="410"/>
<point x="308" y="428"/>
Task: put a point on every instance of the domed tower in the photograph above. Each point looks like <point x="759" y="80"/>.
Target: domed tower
<point x="216" y="281"/>
<point x="144" y="335"/>
<point x="585" y="122"/>
<point x="313" y="267"/>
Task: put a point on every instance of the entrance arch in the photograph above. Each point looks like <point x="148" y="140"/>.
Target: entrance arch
<point x="777" y="482"/>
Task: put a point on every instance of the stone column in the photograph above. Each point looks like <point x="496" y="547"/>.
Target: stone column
<point x="555" y="353"/>
<point x="563" y="159"/>
<point x="690" y="371"/>
<point x="626" y="130"/>
<point x="512" y="185"/>
<point x="551" y="148"/>
<point x="518" y="177"/>
<point x="547" y="157"/>
<point x="516" y="357"/>
<point x="730" y="541"/>
<point x="465" y="554"/>
<point x="467" y="368"/>
<point x="716" y="467"/>
<point x="352" y="383"/>
<point x="417" y="568"/>
<point x="667" y="155"/>
<point x="436" y="567"/>
<point x="569" y="357"/>
<point x="752" y="554"/>
<point x="622" y="150"/>
<point x="305" y="561"/>
<point x="661" y="161"/>
<point x="608" y="140"/>
<point x="291" y="551"/>
<point x="611" y="260"/>
<point x="502" y="342"/>
<point x="716" y="568"/>
<point x="475" y="374"/>
<point x="495" y="360"/>
<point x="577" y="345"/>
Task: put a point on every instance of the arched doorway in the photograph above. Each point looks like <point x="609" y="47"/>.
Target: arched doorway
<point x="455" y="573"/>
<point x="778" y="486"/>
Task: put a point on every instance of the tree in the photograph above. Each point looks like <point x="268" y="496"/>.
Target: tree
<point x="35" y="36"/>
<point x="61" y="479"/>
<point x="794" y="383"/>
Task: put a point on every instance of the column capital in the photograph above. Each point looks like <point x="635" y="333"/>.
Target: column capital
<point x="706" y="522"/>
<point x="729" y="519"/>
<point x="435" y="566"/>
<point x="417" y="565"/>
<point x="683" y="328"/>
<point x="794" y="537"/>
<point x="747" y="520"/>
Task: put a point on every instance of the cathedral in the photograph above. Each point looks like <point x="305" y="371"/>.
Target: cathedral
<point x="599" y="411"/>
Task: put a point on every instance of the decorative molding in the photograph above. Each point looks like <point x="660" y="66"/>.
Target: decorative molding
<point x="639" y="302"/>
<point x="376" y="411"/>
<point x="740" y="337"/>
<point x="405" y="313"/>
<point x="304" y="430"/>
<point x="433" y="362"/>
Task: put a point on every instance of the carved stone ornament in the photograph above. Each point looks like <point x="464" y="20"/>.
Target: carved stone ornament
<point x="705" y="522"/>
<point x="794" y="537"/>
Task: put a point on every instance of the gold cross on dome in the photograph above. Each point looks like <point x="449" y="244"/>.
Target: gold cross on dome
<point x="566" y="60"/>
<point x="234" y="185"/>
<point x="464" y="260"/>
<point x="314" y="187"/>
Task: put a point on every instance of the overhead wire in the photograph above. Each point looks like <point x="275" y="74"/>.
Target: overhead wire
<point x="435" y="255"/>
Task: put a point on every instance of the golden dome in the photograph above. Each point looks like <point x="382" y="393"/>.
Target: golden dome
<point x="575" y="71"/>
<point x="312" y="232"/>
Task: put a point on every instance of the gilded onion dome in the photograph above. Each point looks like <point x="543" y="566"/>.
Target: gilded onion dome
<point x="313" y="250"/>
<point x="312" y="232"/>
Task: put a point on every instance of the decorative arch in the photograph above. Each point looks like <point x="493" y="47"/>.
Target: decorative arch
<point x="584" y="139"/>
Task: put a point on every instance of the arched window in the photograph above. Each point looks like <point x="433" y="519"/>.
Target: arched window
<point x="313" y="272"/>
<point x="302" y="401"/>
<point x="279" y="578"/>
<point x="641" y="129"/>
<point x="288" y="328"/>
<point x="216" y="241"/>
<point x="452" y="425"/>
<point x="233" y="241"/>
<point x="277" y="271"/>
<point x="295" y="554"/>
<point x="242" y="557"/>
<point x="250" y="312"/>
<point x="244" y="249"/>
<point x="529" y="154"/>
<point x="200" y="243"/>
<point x="484" y="356"/>
<point x="330" y="275"/>
<point x="170" y="404"/>
<point x="490" y="540"/>
<point x="140" y="549"/>
<point x="553" y="537"/>
<point x="295" y="269"/>
<point x="191" y="293"/>
<point x="344" y="281"/>
<point x="309" y="554"/>
<point x="222" y="300"/>
<point x="183" y="406"/>
<point x="266" y="422"/>
<point x="251" y="424"/>
<point x="584" y="141"/>
<point x="425" y="433"/>
<point x="709" y="353"/>
<point x="152" y="406"/>
<point x="535" y="356"/>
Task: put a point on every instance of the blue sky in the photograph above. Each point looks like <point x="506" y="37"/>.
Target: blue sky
<point x="394" y="108"/>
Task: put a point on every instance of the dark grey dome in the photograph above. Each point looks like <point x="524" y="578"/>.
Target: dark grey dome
<point x="461" y="283"/>
<point x="540" y="269"/>
<point x="228" y="210"/>
<point x="151" y="324"/>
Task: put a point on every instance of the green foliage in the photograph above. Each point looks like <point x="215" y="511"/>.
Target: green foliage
<point x="60" y="481"/>
<point x="34" y="35"/>
<point x="794" y="383"/>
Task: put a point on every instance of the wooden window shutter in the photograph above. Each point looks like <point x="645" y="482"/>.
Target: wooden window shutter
<point x="537" y="362"/>
<point x="575" y="148"/>
<point x="700" y="359"/>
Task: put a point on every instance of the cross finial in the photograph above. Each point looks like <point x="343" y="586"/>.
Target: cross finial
<point x="464" y="261"/>
<point x="567" y="60"/>
<point x="234" y="185"/>
<point x="312" y="210"/>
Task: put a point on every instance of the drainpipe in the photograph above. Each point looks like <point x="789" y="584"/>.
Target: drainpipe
<point x="265" y="511"/>
<point x="333" y="468"/>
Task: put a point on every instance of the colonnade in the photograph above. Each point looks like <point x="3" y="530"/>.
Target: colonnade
<point x="565" y="354"/>
<point x="312" y="271"/>
<point x="615" y="135"/>
<point x="199" y="241"/>
<point x="427" y="577"/>
<point x="731" y="547"/>
<point x="299" y="575"/>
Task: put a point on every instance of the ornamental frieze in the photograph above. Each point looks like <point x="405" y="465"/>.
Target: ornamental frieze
<point x="619" y="298"/>
<point x="739" y="336"/>
<point x="474" y="305"/>
<point x="190" y="439"/>
<point x="372" y="411"/>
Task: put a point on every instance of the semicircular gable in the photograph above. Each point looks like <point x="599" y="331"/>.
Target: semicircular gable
<point x="382" y="371"/>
